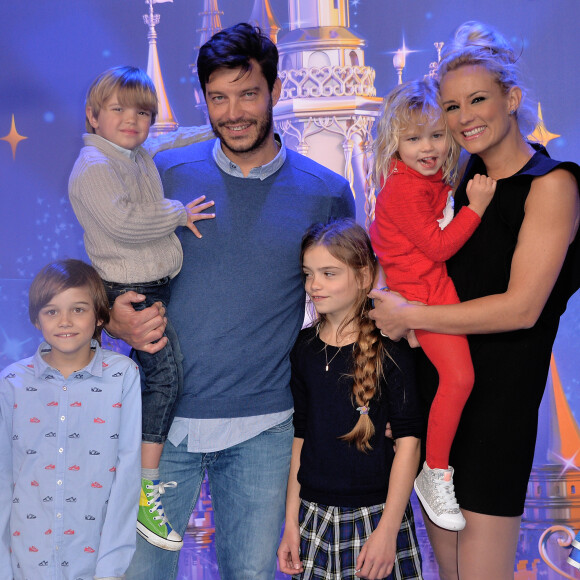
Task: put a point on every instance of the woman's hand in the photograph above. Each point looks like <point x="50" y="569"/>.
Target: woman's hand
<point x="388" y="313"/>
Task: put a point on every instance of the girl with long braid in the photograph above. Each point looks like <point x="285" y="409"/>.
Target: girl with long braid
<point x="347" y="508"/>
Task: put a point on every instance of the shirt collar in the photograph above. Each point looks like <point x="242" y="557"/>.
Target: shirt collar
<point x="42" y="368"/>
<point x="262" y="172"/>
<point x="130" y="153"/>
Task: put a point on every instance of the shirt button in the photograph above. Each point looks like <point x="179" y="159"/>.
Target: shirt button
<point x="64" y="388"/>
<point x="63" y="418"/>
<point x="61" y="450"/>
<point x="59" y="516"/>
<point x="56" y="547"/>
<point x="59" y="482"/>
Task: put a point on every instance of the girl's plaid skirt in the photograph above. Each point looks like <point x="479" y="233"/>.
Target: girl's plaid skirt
<point x="332" y="537"/>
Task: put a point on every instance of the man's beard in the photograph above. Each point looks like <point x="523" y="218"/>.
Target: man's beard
<point x="264" y="127"/>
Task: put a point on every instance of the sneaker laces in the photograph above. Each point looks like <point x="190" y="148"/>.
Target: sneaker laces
<point x="446" y="493"/>
<point x="154" y="498"/>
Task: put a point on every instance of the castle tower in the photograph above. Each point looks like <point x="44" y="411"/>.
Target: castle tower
<point x="263" y="16"/>
<point x="211" y="21"/>
<point x="553" y="498"/>
<point x="328" y="103"/>
<point x="165" y="121"/>
<point x="210" y="24"/>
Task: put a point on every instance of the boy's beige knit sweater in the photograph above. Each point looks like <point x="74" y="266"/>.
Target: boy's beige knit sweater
<point x="129" y="226"/>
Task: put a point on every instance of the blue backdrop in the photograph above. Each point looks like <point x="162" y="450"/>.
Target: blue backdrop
<point x="50" y="52"/>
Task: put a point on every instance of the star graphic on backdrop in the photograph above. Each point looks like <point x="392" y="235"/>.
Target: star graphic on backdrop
<point x="568" y="463"/>
<point x="13" y="138"/>
<point x="12" y="347"/>
<point x="540" y="134"/>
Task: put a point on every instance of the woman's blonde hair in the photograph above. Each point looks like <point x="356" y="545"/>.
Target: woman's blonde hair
<point x="478" y="44"/>
<point x="349" y="243"/>
<point x="134" y="88"/>
<point x="402" y="108"/>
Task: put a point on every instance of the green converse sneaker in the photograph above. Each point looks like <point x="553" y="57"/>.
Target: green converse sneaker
<point x="152" y="525"/>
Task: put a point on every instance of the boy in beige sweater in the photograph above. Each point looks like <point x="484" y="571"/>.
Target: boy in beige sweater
<point x="129" y="234"/>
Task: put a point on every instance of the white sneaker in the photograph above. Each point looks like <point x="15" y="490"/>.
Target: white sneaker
<point x="436" y="493"/>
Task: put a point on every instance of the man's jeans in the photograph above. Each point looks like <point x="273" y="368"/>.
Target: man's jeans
<point x="248" y="491"/>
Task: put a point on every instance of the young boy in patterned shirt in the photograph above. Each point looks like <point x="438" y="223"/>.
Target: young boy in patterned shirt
<point x="70" y="438"/>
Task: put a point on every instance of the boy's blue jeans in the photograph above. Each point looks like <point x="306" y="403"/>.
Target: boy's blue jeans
<point x="248" y="492"/>
<point x="161" y="372"/>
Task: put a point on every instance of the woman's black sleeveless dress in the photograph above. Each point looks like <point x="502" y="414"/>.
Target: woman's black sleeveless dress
<point x="494" y="447"/>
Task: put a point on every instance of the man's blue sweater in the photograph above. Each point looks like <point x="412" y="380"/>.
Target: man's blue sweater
<point x="238" y="303"/>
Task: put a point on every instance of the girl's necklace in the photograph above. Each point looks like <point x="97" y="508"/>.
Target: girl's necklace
<point x="326" y="356"/>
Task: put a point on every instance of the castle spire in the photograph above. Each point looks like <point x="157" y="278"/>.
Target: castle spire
<point x="264" y="17"/>
<point x="166" y="120"/>
<point x="211" y="21"/>
<point x="564" y="435"/>
<point x="314" y="14"/>
<point x="210" y="24"/>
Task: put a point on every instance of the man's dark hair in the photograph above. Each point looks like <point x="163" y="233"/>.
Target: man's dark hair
<point x="233" y="48"/>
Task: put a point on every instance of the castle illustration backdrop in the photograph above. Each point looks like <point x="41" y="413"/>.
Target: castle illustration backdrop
<point x="338" y="58"/>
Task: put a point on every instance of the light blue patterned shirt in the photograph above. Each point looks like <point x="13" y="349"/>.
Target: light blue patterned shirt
<point x="70" y="451"/>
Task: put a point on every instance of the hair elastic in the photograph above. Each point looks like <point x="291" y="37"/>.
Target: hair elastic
<point x="364" y="410"/>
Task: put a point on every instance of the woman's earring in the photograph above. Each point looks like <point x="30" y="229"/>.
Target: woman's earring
<point x="512" y="111"/>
